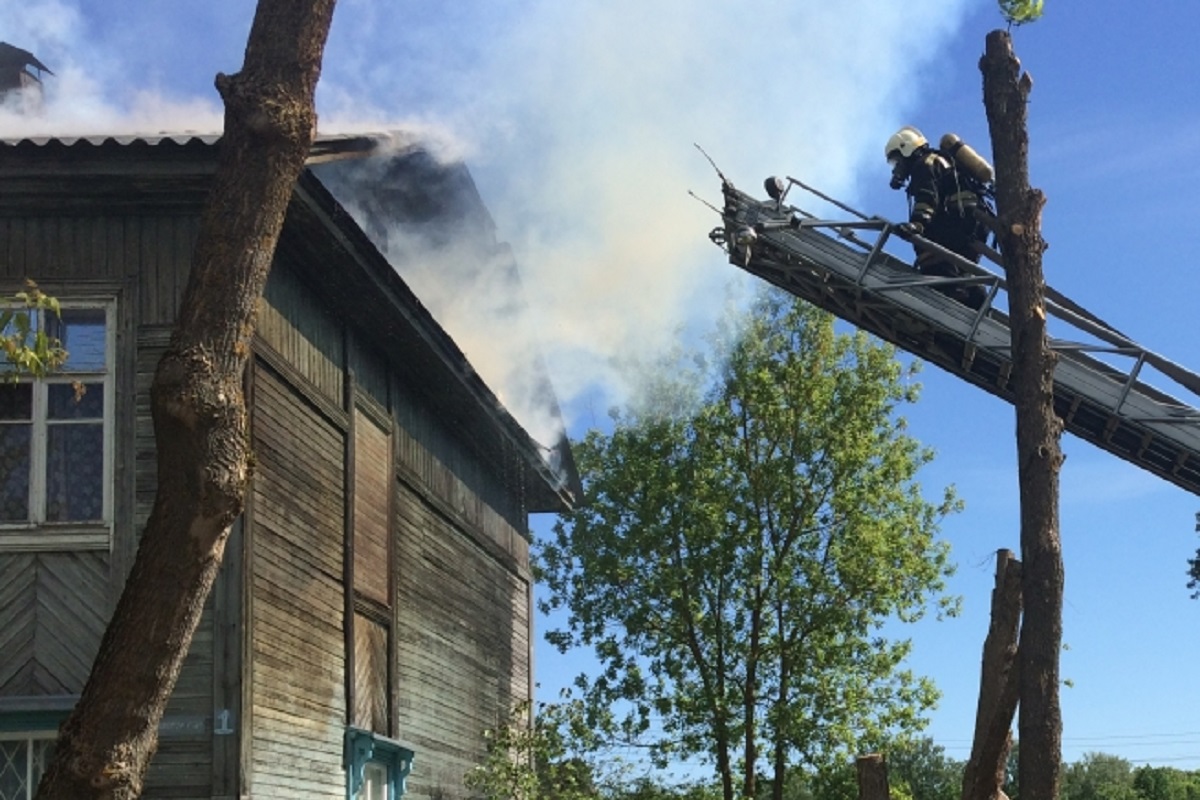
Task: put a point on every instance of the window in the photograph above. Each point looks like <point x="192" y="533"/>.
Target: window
<point x="376" y="766"/>
<point x="23" y="758"/>
<point x="56" y="431"/>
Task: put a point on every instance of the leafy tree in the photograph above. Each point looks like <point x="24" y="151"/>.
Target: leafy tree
<point x="797" y="785"/>
<point x="199" y="410"/>
<point x="1098" y="776"/>
<point x="922" y="769"/>
<point x="1166" y="783"/>
<point x="530" y="757"/>
<point x="646" y="788"/>
<point x="742" y="547"/>
<point x="28" y="349"/>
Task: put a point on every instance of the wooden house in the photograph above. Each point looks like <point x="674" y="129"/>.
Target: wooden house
<point x="374" y="613"/>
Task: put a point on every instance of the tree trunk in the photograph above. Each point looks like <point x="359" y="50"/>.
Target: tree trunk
<point x="983" y="777"/>
<point x="872" y="778"/>
<point x="781" y="750"/>
<point x="200" y="420"/>
<point x="1005" y="93"/>
<point x="750" y="702"/>
<point x="724" y="764"/>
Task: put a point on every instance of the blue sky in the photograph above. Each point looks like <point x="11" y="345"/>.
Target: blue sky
<point x="578" y="121"/>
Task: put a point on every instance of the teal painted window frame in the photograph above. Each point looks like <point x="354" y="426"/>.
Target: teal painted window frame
<point x="32" y="720"/>
<point x="363" y="747"/>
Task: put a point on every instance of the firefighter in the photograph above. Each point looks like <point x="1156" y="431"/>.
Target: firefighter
<point x="944" y="188"/>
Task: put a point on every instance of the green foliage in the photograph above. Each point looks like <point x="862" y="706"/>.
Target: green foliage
<point x="1194" y="568"/>
<point x="1166" y="783"/>
<point x="742" y="547"/>
<point x="1098" y="776"/>
<point x="921" y="768"/>
<point x="1018" y="12"/>
<point x="532" y="756"/>
<point x="1012" y="784"/>
<point x="27" y="348"/>
<point x="644" y="788"/>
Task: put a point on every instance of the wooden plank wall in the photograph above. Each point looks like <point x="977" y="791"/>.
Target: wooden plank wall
<point x="460" y="489"/>
<point x="463" y="641"/>
<point x="298" y="704"/>
<point x="65" y="251"/>
<point x="293" y="322"/>
<point x="460" y="562"/>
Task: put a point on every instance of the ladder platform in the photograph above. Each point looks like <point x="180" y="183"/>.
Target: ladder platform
<point x="842" y="267"/>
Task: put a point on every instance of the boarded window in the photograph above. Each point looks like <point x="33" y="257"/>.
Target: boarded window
<point x="371" y="485"/>
<point x="370" y="675"/>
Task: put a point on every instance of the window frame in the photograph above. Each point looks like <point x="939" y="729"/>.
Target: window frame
<point x="36" y="532"/>
<point x="30" y="726"/>
<point x="363" y="747"/>
<point x="28" y="738"/>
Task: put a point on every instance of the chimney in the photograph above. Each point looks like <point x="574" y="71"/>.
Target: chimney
<point x="19" y="87"/>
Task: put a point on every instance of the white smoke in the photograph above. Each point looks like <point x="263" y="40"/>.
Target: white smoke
<point x="93" y="90"/>
<point x="578" y="122"/>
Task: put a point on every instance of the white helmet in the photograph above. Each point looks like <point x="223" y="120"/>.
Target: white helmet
<point x="904" y="143"/>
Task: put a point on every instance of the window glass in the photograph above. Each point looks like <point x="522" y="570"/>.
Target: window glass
<point x="75" y="473"/>
<point x="16" y="401"/>
<point x="23" y="759"/>
<point x="375" y="782"/>
<point x="76" y="401"/>
<point x="81" y="331"/>
<point x="53" y="428"/>
<point x="14" y="472"/>
<point x="13" y="775"/>
<point x="40" y="753"/>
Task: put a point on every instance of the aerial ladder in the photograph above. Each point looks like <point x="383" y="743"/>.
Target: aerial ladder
<point x="841" y="265"/>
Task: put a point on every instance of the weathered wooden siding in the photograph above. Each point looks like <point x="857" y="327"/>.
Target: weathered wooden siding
<point x="55" y="249"/>
<point x="53" y="610"/>
<point x="298" y="707"/>
<point x="463" y="649"/>
<point x="293" y="322"/>
<point x="460" y="487"/>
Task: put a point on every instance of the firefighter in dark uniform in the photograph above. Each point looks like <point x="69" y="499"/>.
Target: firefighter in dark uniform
<point x="943" y="196"/>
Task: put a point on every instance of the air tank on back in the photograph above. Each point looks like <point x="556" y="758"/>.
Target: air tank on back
<point x="965" y="156"/>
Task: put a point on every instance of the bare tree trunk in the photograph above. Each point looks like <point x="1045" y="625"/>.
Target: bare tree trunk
<point x="983" y="778"/>
<point x="200" y="420"/>
<point x="872" y="778"/>
<point x="1005" y="94"/>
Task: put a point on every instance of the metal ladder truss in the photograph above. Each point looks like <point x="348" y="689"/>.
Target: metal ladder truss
<point x="1100" y="381"/>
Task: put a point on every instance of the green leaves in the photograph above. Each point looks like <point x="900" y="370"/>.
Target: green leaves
<point x="1019" y="12"/>
<point x="26" y="347"/>
<point x="532" y="756"/>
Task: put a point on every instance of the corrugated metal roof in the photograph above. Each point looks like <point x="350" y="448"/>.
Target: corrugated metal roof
<point x="326" y="147"/>
<point x="98" y="140"/>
